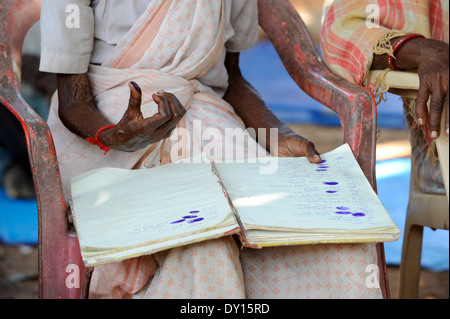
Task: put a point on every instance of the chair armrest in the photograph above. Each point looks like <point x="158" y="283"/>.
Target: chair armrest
<point x="15" y="21"/>
<point x="58" y="247"/>
<point x="405" y="84"/>
<point x="355" y="106"/>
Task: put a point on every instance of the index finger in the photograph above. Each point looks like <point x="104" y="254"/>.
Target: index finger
<point x="422" y="103"/>
<point x="435" y="113"/>
<point x="312" y="154"/>
<point x="163" y="116"/>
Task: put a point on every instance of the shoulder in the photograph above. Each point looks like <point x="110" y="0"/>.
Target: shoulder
<point x="242" y="19"/>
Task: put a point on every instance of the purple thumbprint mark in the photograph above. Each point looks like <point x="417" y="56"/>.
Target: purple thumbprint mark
<point x="343" y="213"/>
<point x="331" y="183"/>
<point x="359" y="214"/>
<point x="196" y="220"/>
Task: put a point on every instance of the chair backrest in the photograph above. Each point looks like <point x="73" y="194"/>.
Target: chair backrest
<point x="59" y="256"/>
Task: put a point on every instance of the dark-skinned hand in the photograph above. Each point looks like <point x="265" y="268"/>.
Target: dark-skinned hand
<point x="134" y="132"/>
<point x="433" y="70"/>
<point x="293" y="145"/>
<point x="431" y="60"/>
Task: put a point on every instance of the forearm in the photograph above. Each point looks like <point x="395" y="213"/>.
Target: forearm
<point x="77" y="110"/>
<point x="81" y="116"/>
<point x="249" y="105"/>
<point x="407" y="57"/>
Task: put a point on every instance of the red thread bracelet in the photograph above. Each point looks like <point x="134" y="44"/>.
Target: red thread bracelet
<point x="96" y="141"/>
<point x="397" y="45"/>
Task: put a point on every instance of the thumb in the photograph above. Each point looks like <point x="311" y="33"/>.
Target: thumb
<point x="304" y="147"/>
<point x="134" y="104"/>
<point x="309" y="150"/>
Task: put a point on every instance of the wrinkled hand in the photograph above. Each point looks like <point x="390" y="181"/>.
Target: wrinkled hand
<point x="133" y="132"/>
<point x="433" y="70"/>
<point x="294" y="145"/>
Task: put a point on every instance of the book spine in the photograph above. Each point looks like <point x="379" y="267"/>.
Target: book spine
<point x="230" y="203"/>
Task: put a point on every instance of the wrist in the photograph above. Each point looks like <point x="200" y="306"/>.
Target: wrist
<point x="106" y="135"/>
<point x="95" y="140"/>
<point x="407" y="52"/>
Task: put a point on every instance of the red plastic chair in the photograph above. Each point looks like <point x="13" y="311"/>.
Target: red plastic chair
<point x="356" y="107"/>
<point x="59" y="253"/>
<point x="58" y="245"/>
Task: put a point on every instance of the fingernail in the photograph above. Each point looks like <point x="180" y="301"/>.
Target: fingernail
<point x="134" y="84"/>
<point x="420" y="120"/>
<point x="434" y="134"/>
<point x="156" y="98"/>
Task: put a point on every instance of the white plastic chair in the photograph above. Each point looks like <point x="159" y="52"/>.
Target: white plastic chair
<point x="424" y="210"/>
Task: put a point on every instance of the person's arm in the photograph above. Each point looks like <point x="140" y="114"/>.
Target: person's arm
<point x="79" y="114"/>
<point x="352" y="44"/>
<point x="249" y="105"/>
<point x="431" y="59"/>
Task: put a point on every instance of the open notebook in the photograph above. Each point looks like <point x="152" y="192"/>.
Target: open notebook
<point x="120" y="213"/>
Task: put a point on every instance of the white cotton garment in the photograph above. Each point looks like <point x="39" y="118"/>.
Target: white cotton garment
<point x="103" y="23"/>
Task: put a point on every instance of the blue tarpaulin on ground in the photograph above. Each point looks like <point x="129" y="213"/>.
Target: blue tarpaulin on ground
<point x="393" y="177"/>
<point x="18" y="220"/>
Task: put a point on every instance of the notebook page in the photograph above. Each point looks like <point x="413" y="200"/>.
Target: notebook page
<point x="120" y="208"/>
<point x="332" y="195"/>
